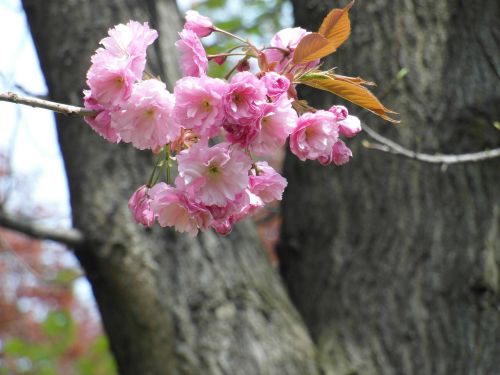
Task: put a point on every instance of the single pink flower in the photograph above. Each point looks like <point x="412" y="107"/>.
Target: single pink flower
<point x="147" y="120"/>
<point x="276" y="85"/>
<point x="314" y="136"/>
<point x="194" y="60"/>
<point x="130" y="42"/>
<point x="339" y="111"/>
<point x="341" y="153"/>
<point x="199" y="105"/>
<point x="100" y="123"/>
<point x="110" y="81"/>
<point x="243" y="104"/>
<point x="242" y="132"/>
<point x="174" y="208"/>
<point x="266" y="183"/>
<point x="140" y="206"/>
<point x="243" y="66"/>
<point x="277" y="122"/>
<point x="286" y="39"/>
<point x="200" y="25"/>
<point x="219" y="60"/>
<point x="213" y="175"/>
<point x="244" y="204"/>
<point x="349" y="126"/>
<point x="243" y="98"/>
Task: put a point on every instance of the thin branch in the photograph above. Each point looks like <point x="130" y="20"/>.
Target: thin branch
<point x="66" y="109"/>
<point x="70" y="237"/>
<point x="20" y="88"/>
<point x="392" y="147"/>
<point x="27" y="92"/>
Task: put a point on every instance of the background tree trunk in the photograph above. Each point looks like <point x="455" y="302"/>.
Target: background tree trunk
<point x="394" y="264"/>
<point x="170" y="304"/>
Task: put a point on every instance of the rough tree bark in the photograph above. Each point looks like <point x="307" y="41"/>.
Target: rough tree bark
<point x="170" y="304"/>
<point x="394" y="264"/>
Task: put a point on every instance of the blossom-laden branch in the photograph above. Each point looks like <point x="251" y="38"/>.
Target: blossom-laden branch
<point x="70" y="237"/>
<point x="66" y="109"/>
<point x="386" y="145"/>
<point x="212" y="129"/>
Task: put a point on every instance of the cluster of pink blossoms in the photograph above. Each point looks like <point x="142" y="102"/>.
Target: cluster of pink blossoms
<point x="212" y="128"/>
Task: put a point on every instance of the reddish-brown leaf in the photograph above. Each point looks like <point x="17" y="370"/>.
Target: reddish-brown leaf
<point x="354" y="80"/>
<point x="349" y="90"/>
<point x="336" y="26"/>
<point x="312" y="47"/>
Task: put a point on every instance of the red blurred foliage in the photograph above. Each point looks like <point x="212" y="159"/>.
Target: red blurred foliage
<point x="35" y="279"/>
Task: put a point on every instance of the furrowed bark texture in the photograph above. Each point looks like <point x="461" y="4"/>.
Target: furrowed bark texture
<point x="170" y="304"/>
<point x="394" y="264"/>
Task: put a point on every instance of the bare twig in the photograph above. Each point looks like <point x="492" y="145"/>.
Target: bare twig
<point x="386" y="145"/>
<point x="23" y="90"/>
<point x="70" y="237"/>
<point x="18" y="87"/>
<point x="66" y="109"/>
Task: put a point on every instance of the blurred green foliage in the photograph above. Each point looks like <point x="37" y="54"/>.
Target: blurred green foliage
<point x="55" y="350"/>
<point x="256" y="20"/>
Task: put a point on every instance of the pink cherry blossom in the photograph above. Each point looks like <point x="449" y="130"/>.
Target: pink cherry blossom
<point x="277" y="122"/>
<point x="101" y="123"/>
<point x="243" y="132"/>
<point x="213" y="175"/>
<point x="243" y="104"/>
<point x="349" y="126"/>
<point x="266" y="183"/>
<point x="199" y="105"/>
<point x="129" y="42"/>
<point x="147" y="120"/>
<point x="276" y="84"/>
<point x="314" y="136"/>
<point x="110" y="81"/>
<point x="140" y="206"/>
<point x="194" y="60"/>
<point x="200" y="25"/>
<point x="286" y="39"/>
<point x="219" y="60"/>
<point x="341" y="153"/>
<point x="174" y="208"/>
<point x="244" y="204"/>
<point x="243" y="98"/>
<point x="339" y="111"/>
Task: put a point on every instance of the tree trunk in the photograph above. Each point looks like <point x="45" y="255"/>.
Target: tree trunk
<point x="170" y="304"/>
<point x="394" y="264"/>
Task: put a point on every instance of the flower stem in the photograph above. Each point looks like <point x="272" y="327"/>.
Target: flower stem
<point x="168" y="164"/>
<point x="154" y="175"/>
<point x="231" y="35"/>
